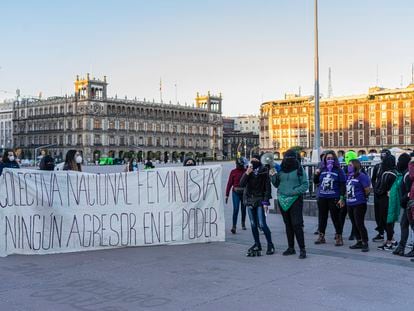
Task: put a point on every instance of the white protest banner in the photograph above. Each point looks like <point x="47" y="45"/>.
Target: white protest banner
<point x="43" y="212"/>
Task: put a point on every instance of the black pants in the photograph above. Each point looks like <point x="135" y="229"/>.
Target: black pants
<point x="326" y="206"/>
<point x="343" y="213"/>
<point x="405" y="226"/>
<point x="293" y="219"/>
<point x="357" y="213"/>
<point x="380" y="228"/>
<point x="383" y="213"/>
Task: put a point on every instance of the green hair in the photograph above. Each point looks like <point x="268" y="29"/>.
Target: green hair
<point x="349" y="156"/>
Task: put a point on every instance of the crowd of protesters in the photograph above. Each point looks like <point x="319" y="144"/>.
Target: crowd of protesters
<point x="343" y="188"/>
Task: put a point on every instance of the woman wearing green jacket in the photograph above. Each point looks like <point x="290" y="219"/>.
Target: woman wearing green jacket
<point x="291" y="183"/>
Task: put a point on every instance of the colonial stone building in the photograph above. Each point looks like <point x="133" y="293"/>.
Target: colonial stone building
<point x="366" y="123"/>
<point x="98" y="126"/>
<point x="6" y="128"/>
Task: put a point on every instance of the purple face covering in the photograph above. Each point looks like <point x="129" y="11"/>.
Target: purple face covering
<point x="351" y="169"/>
<point x="330" y="164"/>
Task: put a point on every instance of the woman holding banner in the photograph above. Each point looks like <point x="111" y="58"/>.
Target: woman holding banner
<point x="8" y="160"/>
<point x="73" y="161"/>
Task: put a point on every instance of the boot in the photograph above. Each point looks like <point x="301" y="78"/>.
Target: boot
<point x="357" y="245"/>
<point x="270" y="249"/>
<point x="364" y="247"/>
<point x="321" y="239"/>
<point x="243" y="226"/>
<point x="233" y="230"/>
<point x="289" y="251"/>
<point x="351" y="237"/>
<point x="410" y="253"/>
<point x="302" y="254"/>
<point x="399" y="250"/>
<point x="338" y="240"/>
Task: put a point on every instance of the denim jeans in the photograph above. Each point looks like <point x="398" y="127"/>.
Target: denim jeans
<point x="237" y="203"/>
<point x="258" y="218"/>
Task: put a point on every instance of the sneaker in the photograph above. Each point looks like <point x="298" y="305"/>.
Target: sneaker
<point x="364" y="247"/>
<point x="357" y="245"/>
<point x="321" y="239"/>
<point x="386" y="247"/>
<point x="302" y="254"/>
<point x="316" y="232"/>
<point x="378" y="238"/>
<point x="410" y="253"/>
<point x="233" y="230"/>
<point x="289" y="251"/>
<point x="244" y="227"/>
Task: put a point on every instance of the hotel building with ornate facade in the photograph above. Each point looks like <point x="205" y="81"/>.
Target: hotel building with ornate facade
<point x="365" y="123"/>
<point x="97" y="125"/>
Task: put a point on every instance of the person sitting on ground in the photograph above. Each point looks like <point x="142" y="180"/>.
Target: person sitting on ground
<point x="8" y="160"/>
<point x="73" y="161"/>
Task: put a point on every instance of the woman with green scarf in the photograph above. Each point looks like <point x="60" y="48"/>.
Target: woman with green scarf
<point x="292" y="183"/>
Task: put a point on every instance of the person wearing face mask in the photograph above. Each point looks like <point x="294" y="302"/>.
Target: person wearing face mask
<point x="349" y="156"/>
<point x="132" y="165"/>
<point x="233" y="184"/>
<point x="73" y="161"/>
<point x="256" y="196"/>
<point x="382" y="188"/>
<point x="291" y="183"/>
<point x="358" y="187"/>
<point x="376" y="178"/>
<point x="8" y="161"/>
<point x="331" y="181"/>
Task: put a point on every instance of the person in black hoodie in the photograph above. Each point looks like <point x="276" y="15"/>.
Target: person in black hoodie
<point x="402" y="167"/>
<point x="376" y="177"/>
<point x="382" y="187"/>
<point x="256" y="196"/>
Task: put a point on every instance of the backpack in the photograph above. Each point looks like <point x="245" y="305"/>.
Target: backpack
<point x="395" y="197"/>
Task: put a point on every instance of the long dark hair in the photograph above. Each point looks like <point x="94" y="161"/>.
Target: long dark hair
<point x="5" y="157"/>
<point x="335" y="157"/>
<point x="357" y="167"/>
<point x="70" y="161"/>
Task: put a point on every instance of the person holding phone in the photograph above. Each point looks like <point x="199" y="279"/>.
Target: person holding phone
<point x="331" y="182"/>
<point x="256" y="196"/>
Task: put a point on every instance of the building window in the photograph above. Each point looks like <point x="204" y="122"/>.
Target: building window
<point x="407" y="140"/>
<point x="395" y="131"/>
<point x="395" y="140"/>
<point x="407" y="131"/>
<point x="372" y="141"/>
<point x="97" y="125"/>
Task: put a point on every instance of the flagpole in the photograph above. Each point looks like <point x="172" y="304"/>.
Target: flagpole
<point x="161" y="90"/>
<point x="317" y="135"/>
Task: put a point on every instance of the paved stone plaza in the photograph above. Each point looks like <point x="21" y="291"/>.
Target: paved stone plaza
<point x="216" y="276"/>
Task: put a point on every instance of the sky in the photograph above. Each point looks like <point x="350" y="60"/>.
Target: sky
<point x="250" y="51"/>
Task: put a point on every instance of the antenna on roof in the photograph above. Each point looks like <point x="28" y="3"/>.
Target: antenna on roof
<point x="376" y="84"/>
<point x="329" y="83"/>
<point x="300" y="91"/>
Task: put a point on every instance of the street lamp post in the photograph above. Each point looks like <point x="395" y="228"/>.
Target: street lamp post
<point x="316" y="136"/>
<point x="245" y="148"/>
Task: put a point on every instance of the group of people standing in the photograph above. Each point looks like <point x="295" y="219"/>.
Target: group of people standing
<point x="252" y="191"/>
<point x="341" y="191"/>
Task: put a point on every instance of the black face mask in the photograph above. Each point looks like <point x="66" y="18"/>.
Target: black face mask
<point x="255" y="164"/>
